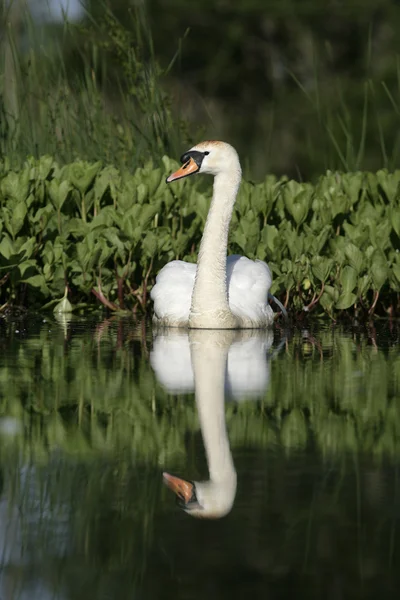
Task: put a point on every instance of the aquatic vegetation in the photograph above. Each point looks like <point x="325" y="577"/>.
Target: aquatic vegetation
<point x="89" y="232"/>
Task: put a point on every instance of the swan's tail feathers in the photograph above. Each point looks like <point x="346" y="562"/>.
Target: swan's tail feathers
<point x="280" y="306"/>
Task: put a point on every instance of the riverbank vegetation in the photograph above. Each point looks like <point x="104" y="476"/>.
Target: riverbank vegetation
<point x="94" y="234"/>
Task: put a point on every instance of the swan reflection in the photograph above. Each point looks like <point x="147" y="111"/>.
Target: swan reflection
<point x="215" y="364"/>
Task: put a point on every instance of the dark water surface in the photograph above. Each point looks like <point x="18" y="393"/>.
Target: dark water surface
<point x="93" y="412"/>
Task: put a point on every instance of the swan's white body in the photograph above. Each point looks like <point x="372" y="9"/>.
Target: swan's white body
<point x="212" y="362"/>
<point x="248" y="283"/>
<point x="218" y="292"/>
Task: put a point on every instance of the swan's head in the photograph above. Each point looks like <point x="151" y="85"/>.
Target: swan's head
<point x="205" y="499"/>
<point x="211" y="158"/>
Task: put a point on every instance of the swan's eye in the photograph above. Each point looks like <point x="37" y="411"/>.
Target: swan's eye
<point x="206" y="153"/>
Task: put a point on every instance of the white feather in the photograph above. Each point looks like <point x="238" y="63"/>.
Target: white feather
<point x="248" y="284"/>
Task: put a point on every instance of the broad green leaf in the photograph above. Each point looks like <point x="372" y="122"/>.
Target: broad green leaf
<point x="355" y="257"/>
<point x="348" y="279"/>
<point x="180" y="243"/>
<point x="201" y="203"/>
<point x="45" y="165"/>
<point x="363" y="284"/>
<point x="389" y="184"/>
<point x="18" y="217"/>
<point x="82" y="174"/>
<point x="326" y="301"/>
<point x="38" y="281"/>
<point x="25" y="265"/>
<point x="345" y="300"/>
<point x="15" y="186"/>
<point x="321" y="267"/>
<point x="269" y="236"/>
<point x="379" y="269"/>
<point x="7" y="248"/>
<point x="58" y="192"/>
<point x="149" y="244"/>
<point x="142" y="191"/>
<point x="147" y="214"/>
<point x="395" y="219"/>
<point x="315" y="243"/>
<point x="108" y="178"/>
<point x="332" y="292"/>
<point x="297" y="200"/>
<point x="111" y="234"/>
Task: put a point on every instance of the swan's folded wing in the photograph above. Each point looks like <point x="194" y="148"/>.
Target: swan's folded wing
<point x="172" y="292"/>
<point x="249" y="282"/>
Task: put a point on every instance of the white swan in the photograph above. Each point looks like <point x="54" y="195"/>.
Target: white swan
<point x="218" y="293"/>
<point x="219" y="361"/>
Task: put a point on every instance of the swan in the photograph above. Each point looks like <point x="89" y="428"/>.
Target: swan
<point x="218" y="292"/>
<point x="213" y="363"/>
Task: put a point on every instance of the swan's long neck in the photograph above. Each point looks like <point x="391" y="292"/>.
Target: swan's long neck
<point x="209" y="366"/>
<point x="210" y="290"/>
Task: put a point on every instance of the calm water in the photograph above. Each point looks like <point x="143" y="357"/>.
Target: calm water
<point x="293" y="436"/>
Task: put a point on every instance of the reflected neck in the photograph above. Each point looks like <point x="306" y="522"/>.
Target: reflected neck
<point x="209" y="353"/>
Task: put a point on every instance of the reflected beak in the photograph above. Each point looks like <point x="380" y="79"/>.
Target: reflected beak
<point x="189" y="168"/>
<point x="182" y="488"/>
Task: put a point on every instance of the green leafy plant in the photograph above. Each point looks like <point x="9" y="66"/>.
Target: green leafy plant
<point x="85" y="232"/>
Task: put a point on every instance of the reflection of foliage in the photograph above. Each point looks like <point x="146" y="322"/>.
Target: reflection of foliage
<point x="97" y="429"/>
<point x="95" y="392"/>
<point x="98" y="232"/>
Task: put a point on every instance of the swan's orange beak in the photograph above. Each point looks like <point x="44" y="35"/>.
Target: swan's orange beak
<point x="182" y="488"/>
<point x="189" y="168"/>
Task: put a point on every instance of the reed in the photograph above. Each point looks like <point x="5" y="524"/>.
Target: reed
<point x="93" y="91"/>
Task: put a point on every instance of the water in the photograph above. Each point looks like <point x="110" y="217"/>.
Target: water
<point x="293" y="439"/>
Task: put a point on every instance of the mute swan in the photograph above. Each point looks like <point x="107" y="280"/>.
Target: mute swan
<point x="211" y="362"/>
<point x="217" y="293"/>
